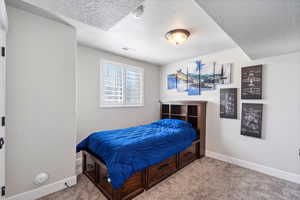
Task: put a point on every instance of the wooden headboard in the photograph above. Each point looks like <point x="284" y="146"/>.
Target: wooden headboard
<point x="193" y="112"/>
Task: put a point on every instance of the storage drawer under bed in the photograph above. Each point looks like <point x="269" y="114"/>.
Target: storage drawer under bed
<point x="132" y="185"/>
<point x="97" y="172"/>
<point x="95" y="169"/>
<point x="160" y="171"/>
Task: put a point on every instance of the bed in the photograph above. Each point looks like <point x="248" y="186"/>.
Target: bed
<point x="123" y="163"/>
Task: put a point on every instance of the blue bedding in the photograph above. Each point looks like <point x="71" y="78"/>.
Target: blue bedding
<point x="126" y="151"/>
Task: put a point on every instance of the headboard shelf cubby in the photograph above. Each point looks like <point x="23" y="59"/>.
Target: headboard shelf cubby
<point x="193" y="112"/>
<point x="165" y="109"/>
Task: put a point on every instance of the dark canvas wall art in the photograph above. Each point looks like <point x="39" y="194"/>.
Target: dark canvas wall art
<point x="251" y="124"/>
<point x="228" y="103"/>
<point x="252" y="82"/>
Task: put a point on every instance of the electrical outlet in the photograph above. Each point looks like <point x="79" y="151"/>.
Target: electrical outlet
<point x="41" y="178"/>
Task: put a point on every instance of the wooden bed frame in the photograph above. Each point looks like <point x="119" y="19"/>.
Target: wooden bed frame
<point x="191" y="111"/>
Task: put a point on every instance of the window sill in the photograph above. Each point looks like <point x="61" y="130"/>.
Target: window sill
<point x="121" y="106"/>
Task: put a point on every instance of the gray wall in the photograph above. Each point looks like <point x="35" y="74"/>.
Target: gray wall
<point x="41" y="126"/>
<point x="281" y="98"/>
<point x="91" y="116"/>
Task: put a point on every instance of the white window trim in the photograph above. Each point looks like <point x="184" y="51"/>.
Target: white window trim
<point x="101" y="80"/>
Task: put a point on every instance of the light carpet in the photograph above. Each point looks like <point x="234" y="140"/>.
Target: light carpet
<point x="205" y="179"/>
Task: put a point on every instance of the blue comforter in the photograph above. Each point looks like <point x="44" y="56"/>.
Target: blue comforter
<point x="126" y="151"/>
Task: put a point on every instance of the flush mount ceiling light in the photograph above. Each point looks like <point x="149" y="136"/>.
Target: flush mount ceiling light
<point x="177" y="36"/>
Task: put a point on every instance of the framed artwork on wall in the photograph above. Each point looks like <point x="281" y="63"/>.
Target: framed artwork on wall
<point x="172" y="81"/>
<point x="223" y="73"/>
<point x="182" y="79"/>
<point x="228" y="103"/>
<point x="198" y="77"/>
<point x="194" y="79"/>
<point x="251" y="82"/>
<point x="207" y="77"/>
<point x="251" y="124"/>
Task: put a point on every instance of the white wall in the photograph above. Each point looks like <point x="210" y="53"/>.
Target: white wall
<point x="41" y="126"/>
<point x="3" y="15"/>
<point x="91" y="116"/>
<point x="281" y="126"/>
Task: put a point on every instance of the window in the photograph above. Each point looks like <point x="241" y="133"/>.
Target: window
<point x="120" y="85"/>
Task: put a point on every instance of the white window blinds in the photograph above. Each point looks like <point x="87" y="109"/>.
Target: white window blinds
<point x="133" y="86"/>
<point x="121" y="85"/>
<point x="112" y="84"/>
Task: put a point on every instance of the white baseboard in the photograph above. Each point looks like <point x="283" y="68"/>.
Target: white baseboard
<point x="256" y="167"/>
<point x="60" y="185"/>
<point x="243" y="163"/>
<point x="45" y="190"/>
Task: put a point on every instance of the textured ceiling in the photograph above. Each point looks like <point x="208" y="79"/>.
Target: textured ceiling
<point x="262" y="28"/>
<point x="103" y="14"/>
<point x="145" y="36"/>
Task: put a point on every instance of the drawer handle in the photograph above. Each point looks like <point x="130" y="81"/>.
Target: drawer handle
<point x="163" y="166"/>
<point x="187" y="153"/>
<point x="90" y="167"/>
